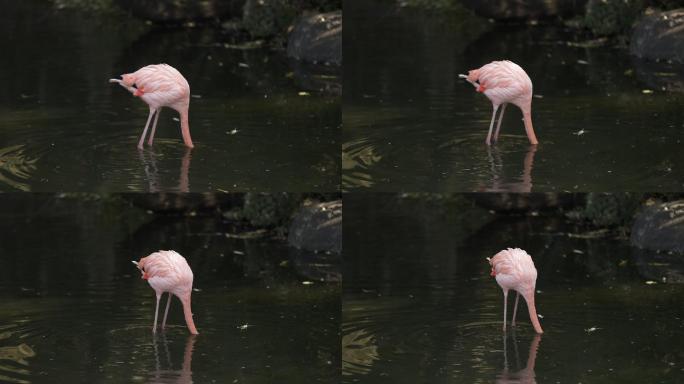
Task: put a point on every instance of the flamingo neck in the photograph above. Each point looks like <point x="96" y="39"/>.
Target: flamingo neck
<point x="187" y="312"/>
<point x="527" y="118"/>
<point x="533" y="313"/>
<point x="185" y="128"/>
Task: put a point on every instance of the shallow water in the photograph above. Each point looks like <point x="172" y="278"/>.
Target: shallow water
<point x="419" y="304"/>
<point x="75" y="309"/>
<point x="410" y="124"/>
<point x="65" y="128"/>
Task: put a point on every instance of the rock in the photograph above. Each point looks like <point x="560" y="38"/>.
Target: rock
<point x="318" y="78"/>
<point x="531" y="9"/>
<point x="658" y="266"/>
<point x="659" y="36"/>
<point x="181" y="10"/>
<point x="659" y="75"/>
<point x="660" y="227"/>
<point x="317" y="39"/>
<point x="318" y="227"/>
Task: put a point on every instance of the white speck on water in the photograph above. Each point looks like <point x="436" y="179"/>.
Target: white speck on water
<point x="243" y="65"/>
<point x="196" y="96"/>
<point x="577" y="251"/>
<point x="580" y="132"/>
<point x="651" y="282"/>
<point x="234" y="131"/>
<point x="176" y="119"/>
<point x="303" y="93"/>
<point x="244" y="326"/>
<point x="307" y="282"/>
<point x="592" y="329"/>
<point x="646" y="91"/>
<point x="238" y="252"/>
<point x="583" y="62"/>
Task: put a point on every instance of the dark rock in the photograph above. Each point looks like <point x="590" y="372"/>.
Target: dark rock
<point x="659" y="36"/>
<point x="317" y="266"/>
<point x="660" y="227"/>
<point x="659" y="75"/>
<point x="531" y="9"/>
<point x="317" y="77"/>
<point x="507" y="202"/>
<point x="182" y="10"/>
<point x="318" y="227"/>
<point x="317" y="39"/>
<point x="658" y="266"/>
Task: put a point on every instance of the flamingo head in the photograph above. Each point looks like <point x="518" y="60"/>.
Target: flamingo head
<point x="141" y="267"/>
<point x="493" y="272"/>
<point x="128" y="79"/>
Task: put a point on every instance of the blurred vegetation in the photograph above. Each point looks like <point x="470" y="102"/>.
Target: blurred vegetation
<point x="270" y="209"/>
<point x="610" y="209"/>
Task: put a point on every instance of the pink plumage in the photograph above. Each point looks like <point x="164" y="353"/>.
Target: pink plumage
<point x="160" y="85"/>
<point x="168" y="271"/>
<point x="514" y="269"/>
<point x="504" y="82"/>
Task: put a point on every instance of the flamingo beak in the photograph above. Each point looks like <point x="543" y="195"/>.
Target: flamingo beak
<point x="134" y="262"/>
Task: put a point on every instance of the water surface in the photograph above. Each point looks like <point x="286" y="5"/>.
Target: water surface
<point x="410" y="124"/>
<point x="255" y="124"/>
<point x="419" y="305"/>
<point x="74" y="308"/>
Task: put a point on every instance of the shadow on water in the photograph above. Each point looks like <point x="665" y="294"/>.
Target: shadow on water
<point x="411" y="124"/>
<point x="75" y="309"/>
<point x="419" y="304"/>
<point x="253" y="126"/>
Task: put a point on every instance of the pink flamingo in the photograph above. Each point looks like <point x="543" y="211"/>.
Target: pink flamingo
<point x="514" y="269"/>
<point x="167" y="271"/>
<point x="160" y="85"/>
<point x="504" y="82"/>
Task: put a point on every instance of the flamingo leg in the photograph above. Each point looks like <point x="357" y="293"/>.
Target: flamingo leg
<point x="154" y="128"/>
<point x="491" y="126"/>
<point x="505" y="307"/>
<point x="149" y="118"/>
<point x="498" y="127"/>
<point x="515" y="308"/>
<point x="156" y="312"/>
<point x="166" y="312"/>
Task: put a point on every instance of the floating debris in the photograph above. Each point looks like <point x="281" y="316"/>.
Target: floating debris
<point x="583" y="62"/>
<point x="303" y="93"/>
<point x="307" y="282"/>
<point x="243" y="65"/>
<point x="244" y="326"/>
<point x="577" y="251"/>
<point x="592" y="329"/>
<point x="651" y="282"/>
<point x="234" y="131"/>
<point x="580" y="132"/>
<point x="196" y="96"/>
<point x="647" y="91"/>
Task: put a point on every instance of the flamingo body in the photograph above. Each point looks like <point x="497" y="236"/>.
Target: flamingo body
<point x="160" y="85"/>
<point x="504" y="82"/>
<point x="168" y="271"/>
<point x="514" y="270"/>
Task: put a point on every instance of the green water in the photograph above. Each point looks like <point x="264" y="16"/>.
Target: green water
<point x="74" y="308"/>
<point x="410" y="124"/>
<point x="65" y="128"/>
<point x="419" y="305"/>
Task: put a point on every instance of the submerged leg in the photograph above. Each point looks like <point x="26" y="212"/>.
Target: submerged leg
<point x="142" y="138"/>
<point x="156" y="312"/>
<point x="154" y="127"/>
<point x="498" y="125"/>
<point x="166" y="312"/>
<point x="515" y="308"/>
<point x="491" y="126"/>
<point x="505" y="305"/>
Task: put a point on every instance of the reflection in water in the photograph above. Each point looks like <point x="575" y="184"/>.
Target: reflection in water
<point x="165" y="373"/>
<point x="359" y="351"/>
<point x="148" y="159"/>
<point x="499" y="182"/>
<point x="525" y="375"/>
<point x="15" y="355"/>
<point x="16" y="164"/>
